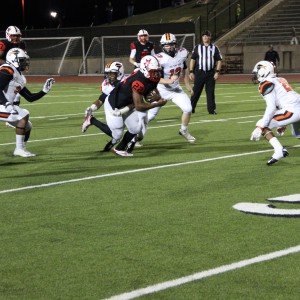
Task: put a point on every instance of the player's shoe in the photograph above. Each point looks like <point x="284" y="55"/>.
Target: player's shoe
<point x="86" y="123"/>
<point x="23" y="153"/>
<point x="108" y="146"/>
<point x="122" y="153"/>
<point x="187" y="135"/>
<point x="138" y="144"/>
<point x="272" y="161"/>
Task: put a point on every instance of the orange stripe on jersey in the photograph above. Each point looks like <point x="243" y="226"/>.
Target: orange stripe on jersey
<point x="285" y="116"/>
<point x="9" y="70"/>
<point x="262" y="86"/>
<point x="4" y="115"/>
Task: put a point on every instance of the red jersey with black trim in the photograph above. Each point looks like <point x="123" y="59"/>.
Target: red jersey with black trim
<point x="121" y="96"/>
<point x="6" y="45"/>
<point x="141" y="50"/>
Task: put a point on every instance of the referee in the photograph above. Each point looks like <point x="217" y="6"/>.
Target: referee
<point x="205" y="66"/>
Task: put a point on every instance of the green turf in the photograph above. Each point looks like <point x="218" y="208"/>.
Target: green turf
<point x="118" y="231"/>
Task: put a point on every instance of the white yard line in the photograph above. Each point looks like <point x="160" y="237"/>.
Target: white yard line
<point x="31" y="187"/>
<point x="204" y="274"/>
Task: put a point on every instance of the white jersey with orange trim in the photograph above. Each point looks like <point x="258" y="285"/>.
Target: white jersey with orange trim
<point x="15" y="85"/>
<point x="172" y="66"/>
<point x="106" y="87"/>
<point x="282" y="102"/>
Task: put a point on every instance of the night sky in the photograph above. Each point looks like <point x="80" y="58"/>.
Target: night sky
<point x="71" y="13"/>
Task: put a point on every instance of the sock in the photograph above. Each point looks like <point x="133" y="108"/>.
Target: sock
<point x="277" y="148"/>
<point x="103" y="127"/>
<point x="20" y="141"/>
<point x="126" y="139"/>
<point x="183" y="127"/>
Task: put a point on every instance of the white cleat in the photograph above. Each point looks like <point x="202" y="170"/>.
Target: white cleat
<point x="86" y="123"/>
<point x="122" y="153"/>
<point x="187" y="135"/>
<point x="23" y="153"/>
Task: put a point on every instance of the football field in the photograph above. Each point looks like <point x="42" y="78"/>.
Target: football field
<point x="79" y="223"/>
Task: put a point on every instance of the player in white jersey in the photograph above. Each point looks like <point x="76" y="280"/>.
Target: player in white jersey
<point x="13" y="82"/>
<point x="282" y="108"/>
<point x="114" y="73"/>
<point x="173" y="62"/>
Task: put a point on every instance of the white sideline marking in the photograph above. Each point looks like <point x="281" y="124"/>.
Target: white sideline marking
<point x="31" y="187"/>
<point x="197" y="276"/>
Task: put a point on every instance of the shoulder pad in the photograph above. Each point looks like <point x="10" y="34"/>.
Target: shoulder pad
<point x="266" y="87"/>
<point x="6" y="69"/>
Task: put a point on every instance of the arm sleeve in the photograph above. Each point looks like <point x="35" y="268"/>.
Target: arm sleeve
<point x="270" y="110"/>
<point x="31" y="97"/>
<point x="102" y="97"/>
<point x="132" y="53"/>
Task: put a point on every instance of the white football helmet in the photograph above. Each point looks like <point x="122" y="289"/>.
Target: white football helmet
<point x="114" y="71"/>
<point x="151" y="68"/>
<point x="263" y="69"/>
<point x="18" y="58"/>
<point x="168" y="43"/>
<point x="13" y="34"/>
<point x="143" y="36"/>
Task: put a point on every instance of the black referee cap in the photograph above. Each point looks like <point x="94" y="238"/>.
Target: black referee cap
<point x="206" y="32"/>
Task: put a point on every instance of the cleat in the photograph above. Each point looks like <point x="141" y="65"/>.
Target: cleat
<point x="285" y="153"/>
<point x="23" y="153"/>
<point x="86" y="123"/>
<point x="139" y="145"/>
<point x="108" y="146"/>
<point x="122" y="153"/>
<point x="187" y="135"/>
<point x="130" y="147"/>
<point x="273" y="160"/>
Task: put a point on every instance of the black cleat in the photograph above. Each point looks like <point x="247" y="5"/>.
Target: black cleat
<point x="272" y="161"/>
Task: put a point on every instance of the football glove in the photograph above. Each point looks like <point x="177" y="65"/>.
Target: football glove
<point x="116" y="112"/>
<point x="256" y="134"/>
<point x="280" y="130"/>
<point x="48" y="85"/>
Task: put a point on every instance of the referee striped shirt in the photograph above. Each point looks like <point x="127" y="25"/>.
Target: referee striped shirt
<point x="206" y="56"/>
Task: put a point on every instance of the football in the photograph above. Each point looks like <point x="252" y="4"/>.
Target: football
<point x="152" y="96"/>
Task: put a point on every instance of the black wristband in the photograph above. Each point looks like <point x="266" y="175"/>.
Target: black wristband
<point x="191" y="71"/>
<point x="217" y="71"/>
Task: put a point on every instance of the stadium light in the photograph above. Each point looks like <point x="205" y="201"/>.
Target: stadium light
<point x="53" y="14"/>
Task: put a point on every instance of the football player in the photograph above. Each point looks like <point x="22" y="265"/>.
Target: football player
<point x="13" y="82"/>
<point x="13" y="40"/>
<point x="140" y="48"/>
<point x="131" y="91"/>
<point x="173" y="62"/>
<point x="114" y="73"/>
<point x="282" y="108"/>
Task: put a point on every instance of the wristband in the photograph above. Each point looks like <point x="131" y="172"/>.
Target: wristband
<point x="191" y="71"/>
<point x="217" y="71"/>
<point x="124" y="110"/>
<point x="94" y="107"/>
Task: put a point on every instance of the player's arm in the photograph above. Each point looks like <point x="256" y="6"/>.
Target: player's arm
<point x="186" y="78"/>
<point x="132" y="55"/>
<point x="141" y="105"/>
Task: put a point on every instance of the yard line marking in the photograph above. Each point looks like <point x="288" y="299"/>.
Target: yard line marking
<point x="152" y="127"/>
<point x="201" y="275"/>
<point x="31" y="187"/>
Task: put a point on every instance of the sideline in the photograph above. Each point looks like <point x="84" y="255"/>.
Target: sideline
<point x="197" y="276"/>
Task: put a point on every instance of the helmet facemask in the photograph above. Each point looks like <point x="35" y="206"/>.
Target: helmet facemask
<point x="151" y="68"/>
<point x="13" y="34"/>
<point x="170" y="49"/>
